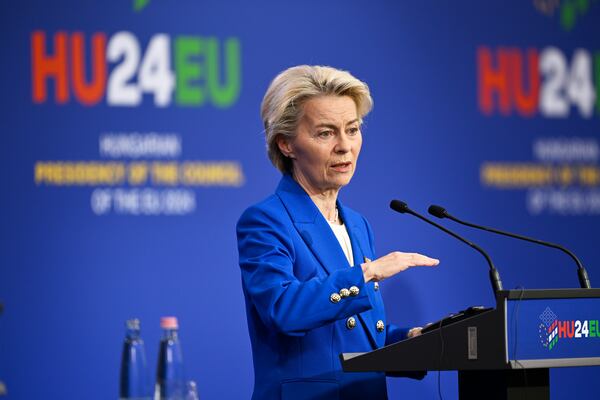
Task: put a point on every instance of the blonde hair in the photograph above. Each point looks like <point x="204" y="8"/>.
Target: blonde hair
<point x="281" y="107"/>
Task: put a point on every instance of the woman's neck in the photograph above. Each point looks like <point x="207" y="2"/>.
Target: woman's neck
<point x="325" y="200"/>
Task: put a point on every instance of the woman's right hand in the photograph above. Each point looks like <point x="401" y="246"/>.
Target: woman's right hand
<point x="393" y="263"/>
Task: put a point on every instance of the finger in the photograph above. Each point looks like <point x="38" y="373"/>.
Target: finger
<point x="424" y="261"/>
<point x="414" y="332"/>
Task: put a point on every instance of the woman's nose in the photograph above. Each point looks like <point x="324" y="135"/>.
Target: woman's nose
<point x="343" y="144"/>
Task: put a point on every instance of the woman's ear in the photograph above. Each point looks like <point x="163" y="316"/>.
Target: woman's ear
<point x="285" y="147"/>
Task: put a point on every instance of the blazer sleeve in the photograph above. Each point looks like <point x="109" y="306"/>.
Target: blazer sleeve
<point x="284" y="303"/>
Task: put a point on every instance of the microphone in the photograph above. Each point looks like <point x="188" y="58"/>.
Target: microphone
<point x="403" y="208"/>
<point x="584" y="280"/>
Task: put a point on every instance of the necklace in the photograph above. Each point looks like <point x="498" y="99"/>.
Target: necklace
<point x="336" y="218"/>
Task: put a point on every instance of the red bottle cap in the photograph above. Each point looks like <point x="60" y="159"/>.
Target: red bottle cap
<point x="169" y="323"/>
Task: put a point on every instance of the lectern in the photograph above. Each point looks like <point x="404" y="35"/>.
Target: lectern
<point x="503" y="352"/>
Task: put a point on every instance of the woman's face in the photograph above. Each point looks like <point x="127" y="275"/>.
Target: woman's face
<point x="327" y="144"/>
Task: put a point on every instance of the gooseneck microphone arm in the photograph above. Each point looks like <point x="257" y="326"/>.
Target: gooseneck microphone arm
<point x="403" y="208"/>
<point x="584" y="280"/>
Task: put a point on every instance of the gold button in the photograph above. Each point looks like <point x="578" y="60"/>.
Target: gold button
<point x="335" y="298"/>
<point x="380" y="326"/>
<point x="354" y="291"/>
<point x="376" y="285"/>
<point x="350" y="323"/>
<point x="344" y="293"/>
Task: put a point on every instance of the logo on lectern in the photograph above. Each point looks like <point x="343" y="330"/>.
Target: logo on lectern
<point x="548" y="329"/>
<point x="551" y="329"/>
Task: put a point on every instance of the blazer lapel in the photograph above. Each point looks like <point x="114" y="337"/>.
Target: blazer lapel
<point x="311" y="225"/>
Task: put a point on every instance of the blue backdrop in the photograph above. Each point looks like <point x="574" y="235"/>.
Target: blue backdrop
<point x="131" y="143"/>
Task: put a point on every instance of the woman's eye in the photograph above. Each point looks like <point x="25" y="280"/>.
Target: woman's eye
<point x="353" y="131"/>
<point x="325" y="134"/>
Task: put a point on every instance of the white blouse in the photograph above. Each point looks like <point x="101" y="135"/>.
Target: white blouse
<point x="341" y="233"/>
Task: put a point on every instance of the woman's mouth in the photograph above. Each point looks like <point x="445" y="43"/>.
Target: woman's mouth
<point x="342" y="166"/>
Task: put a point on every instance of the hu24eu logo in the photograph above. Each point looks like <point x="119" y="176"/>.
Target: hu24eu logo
<point x="187" y="70"/>
<point x="551" y="329"/>
<point x="532" y="82"/>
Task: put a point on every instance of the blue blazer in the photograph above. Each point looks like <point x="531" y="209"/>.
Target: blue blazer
<point x="291" y="264"/>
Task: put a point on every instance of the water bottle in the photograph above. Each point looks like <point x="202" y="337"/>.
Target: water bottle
<point x="191" y="391"/>
<point x="134" y="372"/>
<point x="170" y="380"/>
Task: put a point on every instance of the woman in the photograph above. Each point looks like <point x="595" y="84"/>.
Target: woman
<point x="309" y="271"/>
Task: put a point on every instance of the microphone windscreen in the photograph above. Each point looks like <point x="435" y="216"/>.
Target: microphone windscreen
<point x="399" y="206"/>
<point x="437" y="211"/>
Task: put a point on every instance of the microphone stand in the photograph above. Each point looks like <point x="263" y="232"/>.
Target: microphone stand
<point x="584" y="280"/>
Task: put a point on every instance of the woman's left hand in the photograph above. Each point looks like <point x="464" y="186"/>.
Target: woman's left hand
<point x="414" y="332"/>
